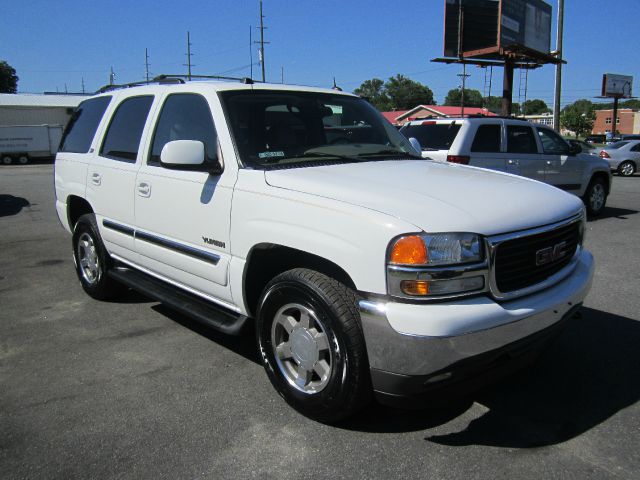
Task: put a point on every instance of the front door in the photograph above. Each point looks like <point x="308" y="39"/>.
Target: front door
<point x="183" y="216"/>
<point x="562" y="169"/>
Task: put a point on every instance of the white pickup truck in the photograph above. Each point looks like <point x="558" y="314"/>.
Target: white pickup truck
<point x="366" y="270"/>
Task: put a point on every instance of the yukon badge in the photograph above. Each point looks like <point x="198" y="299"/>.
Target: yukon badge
<point x="550" y="254"/>
<point x="215" y="243"/>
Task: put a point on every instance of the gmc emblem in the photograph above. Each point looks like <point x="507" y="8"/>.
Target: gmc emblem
<point x="550" y="254"/>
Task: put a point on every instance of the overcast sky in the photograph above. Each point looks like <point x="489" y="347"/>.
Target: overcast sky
<point x="53" y="44"/>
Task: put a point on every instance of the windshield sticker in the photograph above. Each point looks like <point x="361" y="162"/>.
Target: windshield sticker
<point x="270" y="154"/>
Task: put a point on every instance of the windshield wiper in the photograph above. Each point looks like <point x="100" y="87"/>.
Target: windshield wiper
<point x="389" y="151"/>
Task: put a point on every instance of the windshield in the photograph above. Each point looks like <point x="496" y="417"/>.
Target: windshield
<point x="277" y="127"/>
<point x="431" y="135"/>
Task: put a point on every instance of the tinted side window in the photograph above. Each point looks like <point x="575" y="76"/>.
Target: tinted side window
<point x="521" y="140"/>
<point x="82" y="126"/>
<point x="552" y="143"/>
<point x="431" y="135"/>
<point x="487" y="139"/>
<point x="125" y="130"/>
<point x="184" y="116"/>
<point x="636" y="148"/>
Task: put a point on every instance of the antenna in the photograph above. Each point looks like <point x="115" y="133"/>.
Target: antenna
<point x="146" y="64"/>
<point x="262" y="42"/>
<point x="82" y="84"/>
<point x="189" y="55"/>
<point x="112" y="77"/>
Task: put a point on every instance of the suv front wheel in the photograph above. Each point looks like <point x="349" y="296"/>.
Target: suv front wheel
<point x="595" y="197"/>
<point x="312" y="345"/>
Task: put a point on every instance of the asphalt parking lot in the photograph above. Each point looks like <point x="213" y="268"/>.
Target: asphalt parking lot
<point x="134" y="390"/>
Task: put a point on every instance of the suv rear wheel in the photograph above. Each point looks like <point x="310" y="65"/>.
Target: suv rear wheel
<point x="92" y="260"/>
<point x="312" y="345"/>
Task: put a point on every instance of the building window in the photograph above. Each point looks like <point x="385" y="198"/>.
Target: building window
<point x="607" y="120"/>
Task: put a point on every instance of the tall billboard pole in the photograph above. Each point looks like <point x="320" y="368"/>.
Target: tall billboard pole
<point x="558" y="86"/>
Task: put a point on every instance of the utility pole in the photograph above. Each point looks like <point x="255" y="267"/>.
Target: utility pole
<point x="464" y="76"/>
<point x="146" y="64"/>
<point x="558" y="86"/>
<point x="262" y="42"/>
<point x="281" y="74"/>
<point x="189" y="55"/>
<point x="82" y="84"/>
<point x="112" y="77"/>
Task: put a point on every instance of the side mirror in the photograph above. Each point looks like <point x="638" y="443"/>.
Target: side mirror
<point x="575" y="149"/>
<point x="415" y="144"/>
<point x="187" y="155"/>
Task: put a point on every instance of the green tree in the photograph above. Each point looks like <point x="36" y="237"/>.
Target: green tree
<point x="8" y="78"/>
<point x="578" y="117"/>
<point x="472" y="98"/>
<point x="535" y="107"/>
<point x="494" y="105"/>
<point x="405" y="93"/>
<point x="374" y="91"/>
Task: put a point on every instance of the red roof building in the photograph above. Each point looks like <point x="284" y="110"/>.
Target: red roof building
<point x="401" y="117"/>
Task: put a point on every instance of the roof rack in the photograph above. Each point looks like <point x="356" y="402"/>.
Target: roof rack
<point x="246" y="80"/>
<point x="178" y="78"/>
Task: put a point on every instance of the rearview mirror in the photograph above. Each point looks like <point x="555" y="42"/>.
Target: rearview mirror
<point x="415" y="144"/>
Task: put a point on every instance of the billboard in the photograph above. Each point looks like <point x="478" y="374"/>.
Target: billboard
<point x="490" y="26"/>
<point x="617" y="86"/>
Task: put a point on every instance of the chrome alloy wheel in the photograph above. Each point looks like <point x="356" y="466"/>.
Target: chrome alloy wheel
<point x="301" y="348"/>
<point x="627" y="169"/>
<point x="88" y="258"/>
<point x="597" y="197"/>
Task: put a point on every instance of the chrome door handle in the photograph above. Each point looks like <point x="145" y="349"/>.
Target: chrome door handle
<point x="144" y="189"/>
<point x="512" y="162"/>
<point x="96" y="178"/>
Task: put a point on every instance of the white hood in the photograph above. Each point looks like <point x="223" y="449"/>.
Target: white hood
<point x="433" y="196"/>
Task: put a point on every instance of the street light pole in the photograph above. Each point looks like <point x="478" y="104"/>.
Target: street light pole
<point x="558" y="86"/>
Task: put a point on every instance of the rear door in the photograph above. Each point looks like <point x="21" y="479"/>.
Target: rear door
<point x="112" y="173"/>
<point x="522" y="155"/>
<point x="182" y="216"/>
<point x="562" y="170"/>
<point x="486" y="147"/>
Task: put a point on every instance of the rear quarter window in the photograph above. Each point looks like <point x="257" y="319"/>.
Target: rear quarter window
<point x="487" y="139"/>
<point x="82" y="126"/>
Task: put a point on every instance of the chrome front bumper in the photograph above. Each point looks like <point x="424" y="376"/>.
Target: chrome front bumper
<point x="426" y="339"/>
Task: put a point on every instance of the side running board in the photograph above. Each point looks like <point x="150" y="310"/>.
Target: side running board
<point x="186" y="303"/>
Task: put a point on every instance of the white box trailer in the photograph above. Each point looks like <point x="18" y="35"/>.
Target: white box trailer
<point x="20" y="143"/>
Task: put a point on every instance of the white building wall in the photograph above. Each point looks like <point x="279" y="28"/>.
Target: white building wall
<point x="10" y="115"/>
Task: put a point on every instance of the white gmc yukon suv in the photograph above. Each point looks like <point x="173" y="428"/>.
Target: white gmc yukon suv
<point x="365" y="269"/>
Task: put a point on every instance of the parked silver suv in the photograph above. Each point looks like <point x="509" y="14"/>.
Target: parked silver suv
<point x="518" y="147"/>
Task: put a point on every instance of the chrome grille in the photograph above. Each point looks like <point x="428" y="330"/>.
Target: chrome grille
<point x="529" y="260"/>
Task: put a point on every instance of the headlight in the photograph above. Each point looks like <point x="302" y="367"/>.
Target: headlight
<point x="436" y="249"/>
<point x="436" y="265"/>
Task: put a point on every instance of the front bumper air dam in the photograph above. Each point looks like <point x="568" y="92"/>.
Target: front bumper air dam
<point x="458" y="346"/>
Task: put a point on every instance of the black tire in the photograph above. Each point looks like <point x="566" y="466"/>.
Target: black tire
<point x="595" y="197"/>
<point x="347" y="388"/>
<point x="7" y="160"/>
<point x="626" y="168"/>
<point x="86" y="236"/>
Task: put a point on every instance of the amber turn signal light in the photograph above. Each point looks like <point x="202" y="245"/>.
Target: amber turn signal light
<point x="409" y="250"/>
<point x="415" y="287"/>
